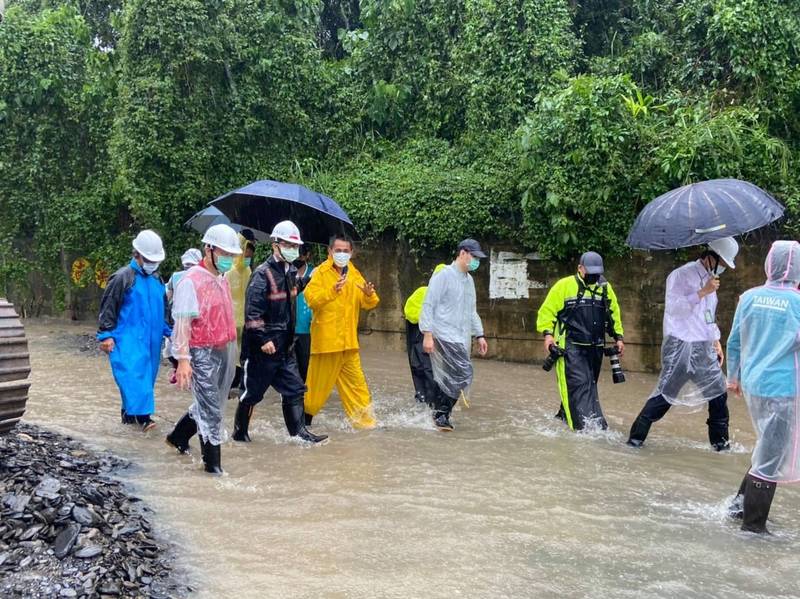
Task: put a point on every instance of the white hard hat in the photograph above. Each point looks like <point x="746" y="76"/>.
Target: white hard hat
<point x="726" y="248"/>
<point x="191" y="257"/>
<point x="149" y="246"/>
<point x="286" y="231"/>
<point x="223" y="237"/>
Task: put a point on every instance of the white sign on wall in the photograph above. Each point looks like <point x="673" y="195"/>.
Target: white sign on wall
<point x="508" y="275"/>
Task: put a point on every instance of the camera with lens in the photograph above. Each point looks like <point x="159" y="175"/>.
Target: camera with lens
<point x="555" y="353"/>
<point x="617" y="374"/>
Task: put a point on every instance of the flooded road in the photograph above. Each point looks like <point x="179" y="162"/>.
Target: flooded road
<point x="509" y="505"/>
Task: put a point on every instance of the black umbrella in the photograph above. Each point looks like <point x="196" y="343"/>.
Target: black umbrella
<point x="263" y="204"/>
<point x="699" y="213"/>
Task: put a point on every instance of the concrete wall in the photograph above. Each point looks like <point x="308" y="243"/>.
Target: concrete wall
<point x="510" y="324"/>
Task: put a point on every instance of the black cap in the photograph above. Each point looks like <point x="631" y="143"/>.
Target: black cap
<point x="473" y="247"/>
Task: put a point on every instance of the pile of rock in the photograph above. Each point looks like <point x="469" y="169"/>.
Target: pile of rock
<point x="68" y="529"/>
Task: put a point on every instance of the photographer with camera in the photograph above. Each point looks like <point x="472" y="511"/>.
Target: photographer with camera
<point x="691" y="353"/>
<point x="575" y="316"/>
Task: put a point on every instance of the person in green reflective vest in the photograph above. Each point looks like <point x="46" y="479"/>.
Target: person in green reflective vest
<point x="418" y="360"/>
<point x="576" y="315"/>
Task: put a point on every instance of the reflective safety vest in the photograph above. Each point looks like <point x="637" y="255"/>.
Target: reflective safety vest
<point x="579" y="313"/>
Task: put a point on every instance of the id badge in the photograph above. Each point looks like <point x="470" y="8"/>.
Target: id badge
<point x="709" y="317"/>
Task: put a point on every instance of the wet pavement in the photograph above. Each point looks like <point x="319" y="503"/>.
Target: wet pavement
<point x="511" y="504"/>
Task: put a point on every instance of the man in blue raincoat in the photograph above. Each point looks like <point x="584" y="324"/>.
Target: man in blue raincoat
<point x="131" y="327"/>
<point x="764" y="365"/>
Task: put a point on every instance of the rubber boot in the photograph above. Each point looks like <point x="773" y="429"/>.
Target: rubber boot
<point x="441" y="420"/>
<point x="737" y="503"/>
<point x="718" y="434"/>
<point x="294" y="417"/>
<point x="242" y="422"/>
<point x="212" y="457"/>
<point x="758" y="495"/>
<point x="184" y="430"/>
<point x="308" y="418"/>
<point x="639" y="431"/>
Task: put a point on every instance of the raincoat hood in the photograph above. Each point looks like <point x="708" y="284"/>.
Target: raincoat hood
<point x="783" y="263"/>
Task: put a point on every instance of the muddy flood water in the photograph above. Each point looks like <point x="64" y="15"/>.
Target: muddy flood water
<point x="511" y="504"/>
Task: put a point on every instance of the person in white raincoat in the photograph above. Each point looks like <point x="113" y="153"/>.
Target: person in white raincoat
<point x="764" y="365"/>
<point x="691" y="353"/>
<point x="449" y="321"/>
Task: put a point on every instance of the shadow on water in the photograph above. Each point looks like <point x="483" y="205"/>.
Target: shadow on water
<point x="511" y="504"/>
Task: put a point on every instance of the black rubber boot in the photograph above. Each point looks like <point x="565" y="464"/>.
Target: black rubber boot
<point x="212" y="457"/>
<point x="639" y="431"/>
<point x="294" y="417"/>
<point x="184" y="430"/>
<point x="737" y="503"/>
<point x="242" y="423"/>
<point x="308" y="418"/>
<point x="758" y="495"/>
<point x="442" y="421"/>
<point x="125" y="418"/>
<point x="718" y="434"/>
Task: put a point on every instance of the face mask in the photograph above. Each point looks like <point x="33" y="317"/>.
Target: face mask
<point x="248" y="262"/>
<point x="718" y="270"/>
<point x="591" y="279"/>
<point x="150" y="267"/>
<point x="474" y="264"/>
<point x="290" y="254"/>
<point x="299" y="263"/>
<point x="224" y="263"/>
<point x="341" y="259"/>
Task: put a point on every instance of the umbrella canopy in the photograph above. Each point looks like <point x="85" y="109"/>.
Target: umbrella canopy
<point x="699" y="213"/>
<point x="263" y="204"/>
<point x="210" y="215"/>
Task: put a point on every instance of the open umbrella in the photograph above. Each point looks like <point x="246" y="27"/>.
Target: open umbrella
<point x="263" y="204"/>
<point x="210" y="215"/>
<point x="698" y="213"/>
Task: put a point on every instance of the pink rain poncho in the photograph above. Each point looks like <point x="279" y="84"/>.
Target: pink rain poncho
<point x="764" y="359"/>
<point x="205" y="334"/>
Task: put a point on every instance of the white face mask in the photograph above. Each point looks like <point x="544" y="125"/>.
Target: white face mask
<point x="718" y="270"/>
<point x="150" y="267"/>
<point x="341" y="259"/>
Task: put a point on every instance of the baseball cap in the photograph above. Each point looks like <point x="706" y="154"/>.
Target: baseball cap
<point x="592" y="262"/>
<point x="472" y="246"/>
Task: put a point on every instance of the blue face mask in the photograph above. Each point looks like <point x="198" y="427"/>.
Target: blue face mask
<point x="224" y="263"/>
<point x="248" y="262"/>
<point x="474" y="264"/>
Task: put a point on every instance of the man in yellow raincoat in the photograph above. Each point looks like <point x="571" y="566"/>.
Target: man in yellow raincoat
<point x="336" y="293"/>
<point x="237" y="278"/>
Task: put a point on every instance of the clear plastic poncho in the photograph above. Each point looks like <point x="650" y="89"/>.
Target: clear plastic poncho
<point x="205" y="334"/>
<point x="449" y="313"/>
<point x="691" y="374"/>
<point x="764" y="359"/>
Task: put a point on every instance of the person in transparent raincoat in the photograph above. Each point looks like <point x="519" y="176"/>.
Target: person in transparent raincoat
<point x="691" y="353"/>
<point x="204" y="343"/>
<point x="449" y="320"/>
<point x="764" y="365"/>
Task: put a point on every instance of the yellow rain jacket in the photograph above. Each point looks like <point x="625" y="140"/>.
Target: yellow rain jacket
<point x="238" y="277"/>
<point x="334" y="327"/>
<point x="413" y="307"/>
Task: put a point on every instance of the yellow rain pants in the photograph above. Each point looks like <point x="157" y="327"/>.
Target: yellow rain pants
<point x="342" y="369"/>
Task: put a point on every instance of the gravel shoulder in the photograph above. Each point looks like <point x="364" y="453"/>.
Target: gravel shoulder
<point x="69" y="528"/>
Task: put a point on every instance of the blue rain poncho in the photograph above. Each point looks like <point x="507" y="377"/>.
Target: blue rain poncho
<point x="764" y="359"/>
<point x="449" y="314"/>
<point x="132" y="312"/>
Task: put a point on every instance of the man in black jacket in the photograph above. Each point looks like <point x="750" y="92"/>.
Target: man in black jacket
<point x="268" y="338"/>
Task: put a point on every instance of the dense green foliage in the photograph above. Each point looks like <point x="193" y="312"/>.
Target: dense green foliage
<point x="547" y="123"/>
